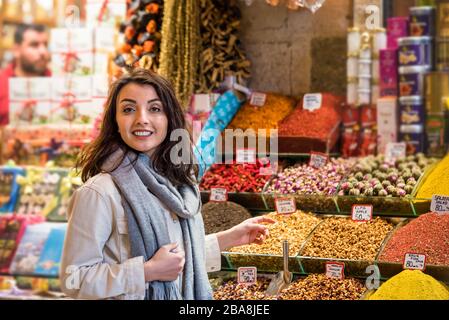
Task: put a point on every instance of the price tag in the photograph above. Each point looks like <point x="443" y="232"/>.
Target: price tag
<point x="440" y="204"/>
<point x="269" y="171"/>
<point x="218" y="195"/>
<point x="258" y="99"/>
<point x="362" y="213"/>
<point x="247" y="275"/>
<point x="246" y="156"/>
<point x="335" y="270"/>
<point x="285" y="205"/>
<point x="415" y="261"/>
<point x="395" y="151"/>
<point x="318" y="160"/>
<point x="312" y="101"/>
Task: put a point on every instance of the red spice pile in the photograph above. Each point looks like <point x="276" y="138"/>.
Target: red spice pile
<point x="428" y="234"/>
<point x="316" y="124"/>
<point x="235" y="177"/>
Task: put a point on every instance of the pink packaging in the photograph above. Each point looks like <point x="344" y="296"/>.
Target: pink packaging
<point x="397" y="27"/>
<point x="388" y="65"/>
<point x="387" y="122"/>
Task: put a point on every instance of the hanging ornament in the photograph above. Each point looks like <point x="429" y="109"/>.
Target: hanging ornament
<point x="312" y="5"/>
<point x="273" y="3"/>
<point x="293" y="4"/>
<point x="249" y="2"/>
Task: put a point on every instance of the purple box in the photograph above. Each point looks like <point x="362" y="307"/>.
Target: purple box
<point x="411" y="80"/>
<point x="414" y="137"/>
<point x="397" y="27"/>
<point x="388" y="65"/>
<point x="416" y="51"/>
<point x="411" y="110"/>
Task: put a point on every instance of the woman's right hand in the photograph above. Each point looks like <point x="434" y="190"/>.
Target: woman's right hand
<point x="165" y="265"/>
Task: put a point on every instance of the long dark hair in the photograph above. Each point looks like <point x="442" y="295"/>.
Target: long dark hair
<point x="95" y="154"/>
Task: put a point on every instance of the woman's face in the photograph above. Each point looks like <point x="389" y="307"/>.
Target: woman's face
<point x="141" y="117"/>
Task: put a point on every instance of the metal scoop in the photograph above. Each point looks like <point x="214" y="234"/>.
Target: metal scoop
<point x="283" y="279"/>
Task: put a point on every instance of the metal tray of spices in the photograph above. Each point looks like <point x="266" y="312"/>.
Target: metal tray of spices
<point x="313" y="203"/>
<point x="390" y="269"/>
<point x="305" y="145"/>
<point x="353" y="267"/>
<point x="267" y="262"/>
<point x="250" y="200"/>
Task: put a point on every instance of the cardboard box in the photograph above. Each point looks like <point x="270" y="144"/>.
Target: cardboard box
<point x="387" y="122"/>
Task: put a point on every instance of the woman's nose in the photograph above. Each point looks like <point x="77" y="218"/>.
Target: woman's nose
<point x="142" y="117"/>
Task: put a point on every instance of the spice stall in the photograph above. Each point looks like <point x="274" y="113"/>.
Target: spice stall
<point x="355" y="174"/>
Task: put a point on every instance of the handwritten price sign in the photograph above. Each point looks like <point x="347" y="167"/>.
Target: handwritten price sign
<point x="318" y="160"/>
<point x="246" y="156"/>
<point x="285" y="206"/>
<point x="218" y="195"/>
<point x="440" y="204"/>
<point x="335" y="270"/>
<point x="258" y="99"/>
<point x="247" y="275"/>
<point x="415" y="261"/>
<point x="362" y="213"/>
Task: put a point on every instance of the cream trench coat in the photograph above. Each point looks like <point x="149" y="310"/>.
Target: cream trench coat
<point x="96" y="261"/>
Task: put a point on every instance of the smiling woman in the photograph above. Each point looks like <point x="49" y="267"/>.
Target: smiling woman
<point x="141" y="118"/>
<point x="135" y="228"/>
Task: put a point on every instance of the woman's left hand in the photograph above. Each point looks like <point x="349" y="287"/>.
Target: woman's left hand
<point x="248" y="232"/>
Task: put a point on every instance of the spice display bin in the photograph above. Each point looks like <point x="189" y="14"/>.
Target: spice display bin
<point x="249" y="200"/>
<point x="422" y="205"/>
<point x="353" y="268"/>
<point x="263" y="262"/>
<point x="305" y="145"/>
<point x="390" y="269"/>
<point x="309" y="203"/>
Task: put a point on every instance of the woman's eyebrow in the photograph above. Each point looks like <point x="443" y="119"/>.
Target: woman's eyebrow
<point x="128" y="100"/>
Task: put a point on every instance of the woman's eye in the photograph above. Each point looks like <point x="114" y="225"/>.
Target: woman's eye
<point x="128" y="109"/>
<point x="155" y="109"/>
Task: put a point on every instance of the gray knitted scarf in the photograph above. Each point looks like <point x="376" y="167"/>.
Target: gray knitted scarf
<point x="141" y="187"/>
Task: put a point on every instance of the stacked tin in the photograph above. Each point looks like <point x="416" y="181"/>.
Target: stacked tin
<point x="437" y="87"/>
<point x="416" y="59"/>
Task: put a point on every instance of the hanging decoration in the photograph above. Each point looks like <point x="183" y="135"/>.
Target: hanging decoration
<point x="311" y="5"/>
<point x="221" y="52"/>
<point x="180" y="46"/>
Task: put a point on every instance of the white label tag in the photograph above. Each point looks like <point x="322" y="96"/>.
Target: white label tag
<point x="395" y="151"/>
<point x="218" y="195"/>
<point x="335" y="270"/>
<point x="318" y="160"/>
<point x="269" y="171"/>
<point x="312" y="101"/>
<point x="285" y="206"/>
<point x="246" y="156"/>
<point x="247" y="275"/>
<point x="415" y="261"/>
<point x="258" y="99"/>
<point x="440" y="204"/>
<point x="362" y="213"/>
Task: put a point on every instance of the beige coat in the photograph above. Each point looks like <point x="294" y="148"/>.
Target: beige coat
<point x="96" y="261"/>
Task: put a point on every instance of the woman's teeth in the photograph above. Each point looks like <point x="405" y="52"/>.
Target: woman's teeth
<point x="143" y="133"/>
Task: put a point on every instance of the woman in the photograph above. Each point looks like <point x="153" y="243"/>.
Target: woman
<point x="135" y="229"/>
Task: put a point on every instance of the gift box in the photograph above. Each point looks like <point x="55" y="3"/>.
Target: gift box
<point x="29" y="100"/>
<point x="72" y="100"/>
<point x="387" y="123"/>
<point x="72" y="51"/>
<point x="105" y="40"/>
<point x="105" y="12"/>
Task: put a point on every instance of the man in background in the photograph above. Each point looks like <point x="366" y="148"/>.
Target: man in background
<point x="31" y="57"/>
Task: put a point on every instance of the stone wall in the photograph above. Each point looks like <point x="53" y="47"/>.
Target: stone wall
<point x="295" y="52"/>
